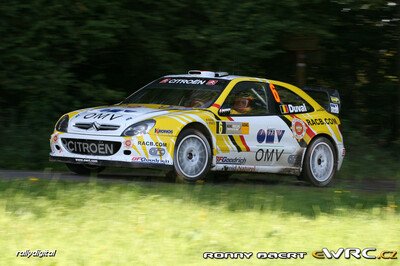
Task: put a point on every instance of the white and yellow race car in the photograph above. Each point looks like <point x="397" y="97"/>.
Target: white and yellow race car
<point x="208" y="121"/>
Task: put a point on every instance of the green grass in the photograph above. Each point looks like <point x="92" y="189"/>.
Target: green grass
<point x="144" y="223"/>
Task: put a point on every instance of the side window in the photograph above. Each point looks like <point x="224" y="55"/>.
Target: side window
<point x="291" y="103"/>
<point x="248" y="98"/>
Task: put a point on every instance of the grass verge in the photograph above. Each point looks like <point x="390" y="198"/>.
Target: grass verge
<point x="139" y="223"/>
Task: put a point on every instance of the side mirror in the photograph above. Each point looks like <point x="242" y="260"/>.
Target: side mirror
<point x="224" y="111"/>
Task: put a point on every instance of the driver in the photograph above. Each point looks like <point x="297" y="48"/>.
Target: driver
<point x="242" y="104"/>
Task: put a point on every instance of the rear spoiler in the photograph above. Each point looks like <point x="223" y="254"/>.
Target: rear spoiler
<point x="327" y="98"/>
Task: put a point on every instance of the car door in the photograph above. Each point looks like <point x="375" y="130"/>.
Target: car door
<point x="256" y="137"/>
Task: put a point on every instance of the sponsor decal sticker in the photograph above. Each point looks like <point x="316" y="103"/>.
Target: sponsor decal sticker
<point x="270" y="136"/>
<point x="165" y="80"/>
<point x="294" y="159"/>
<point x="145" y="160"/>
<point x="55" y="138"/>
<point x="212" y="82"/>
<point x="320" y="121"/>
<point x="151" y="143"/>
<point x="77" y="146"/>
<point x="334" y="108"/>
<point x="157" y="151"/>
<point x="233" y="128"/>
<point x="101" y="116"/>
<point x="128" y="143"/>
<point x="240" y="168"/>
<point x="86" y="160"/>
<point x="299" y="128"/>
<point x="292" y="109"/>
<point x="335" y="99"/>
<point x="163" y="131"/>
<point x="184" y="81"/>
<point x="268" y="155"/>
<point x="227" y="160"/>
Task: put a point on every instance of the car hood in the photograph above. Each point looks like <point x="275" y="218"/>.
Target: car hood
<point x="113" y="120"/>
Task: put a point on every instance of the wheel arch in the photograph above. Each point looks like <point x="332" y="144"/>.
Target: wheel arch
<point x="203" y="129"/>
<point x="327" y="136"/>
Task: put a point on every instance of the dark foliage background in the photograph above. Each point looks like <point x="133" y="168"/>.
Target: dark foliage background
<point x="57" y="56"/>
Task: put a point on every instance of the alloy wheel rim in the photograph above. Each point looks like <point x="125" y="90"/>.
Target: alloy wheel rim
<point x="321" y="162"/>
<point x="192" y="156"/>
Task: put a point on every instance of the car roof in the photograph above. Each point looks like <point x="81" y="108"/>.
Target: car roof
<point x="207" y="74"/>
<point x="228" y="77"/>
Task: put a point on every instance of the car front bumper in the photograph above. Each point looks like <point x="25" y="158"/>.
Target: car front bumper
<point x="142" y="151"/>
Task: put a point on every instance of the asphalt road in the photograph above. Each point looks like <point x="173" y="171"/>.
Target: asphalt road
<point x="141" y="176"/>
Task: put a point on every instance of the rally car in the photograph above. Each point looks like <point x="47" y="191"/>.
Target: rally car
<point x="205" y="121"/>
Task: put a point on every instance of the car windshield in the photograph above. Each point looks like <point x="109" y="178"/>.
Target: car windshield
<point x="185" y="92"/>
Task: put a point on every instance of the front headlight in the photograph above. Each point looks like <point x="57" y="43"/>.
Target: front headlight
<point x="62" y="124"/>
<point x="139" y="128"/>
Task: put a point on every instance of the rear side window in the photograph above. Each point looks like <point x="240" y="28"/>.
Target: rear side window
<point x="291" y="103"/>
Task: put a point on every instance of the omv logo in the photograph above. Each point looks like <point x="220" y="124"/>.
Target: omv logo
<point x="270" y="135"/>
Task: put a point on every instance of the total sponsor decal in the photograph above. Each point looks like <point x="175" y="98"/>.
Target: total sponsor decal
<point x="163" y="131"/>
<point x="151" y="143"/>
<point x="320" y="121"/>
<point x="146" y="160"/>
<point x="299" y="128"/>
<point x="292" y="109"/>
<point x="294" y="159"/>
<point x="157" y="151"/>
<point x="270" y="136"/>
<point x="227" y="160"/>
<point x="232" y="128"/>
<point x="268" y="155"/>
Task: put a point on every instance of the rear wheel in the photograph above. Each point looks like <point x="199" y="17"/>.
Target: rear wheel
<point x="320" y="162"/>
<point x="84" y="169"/>
<point x="192" y="157"/>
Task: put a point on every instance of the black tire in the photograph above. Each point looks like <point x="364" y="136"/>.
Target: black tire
<point x="192" y="151"/>
<point x="320" y="162"/>
<point x="83" y="169"/>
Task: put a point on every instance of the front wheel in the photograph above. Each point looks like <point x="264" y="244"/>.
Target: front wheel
<point x="320" y="162"/>
<point x="192" y="157"/>
<point x="83" y="169"/>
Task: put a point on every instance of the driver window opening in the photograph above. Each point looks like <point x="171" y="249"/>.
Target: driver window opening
<point x="248" y="98"/>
